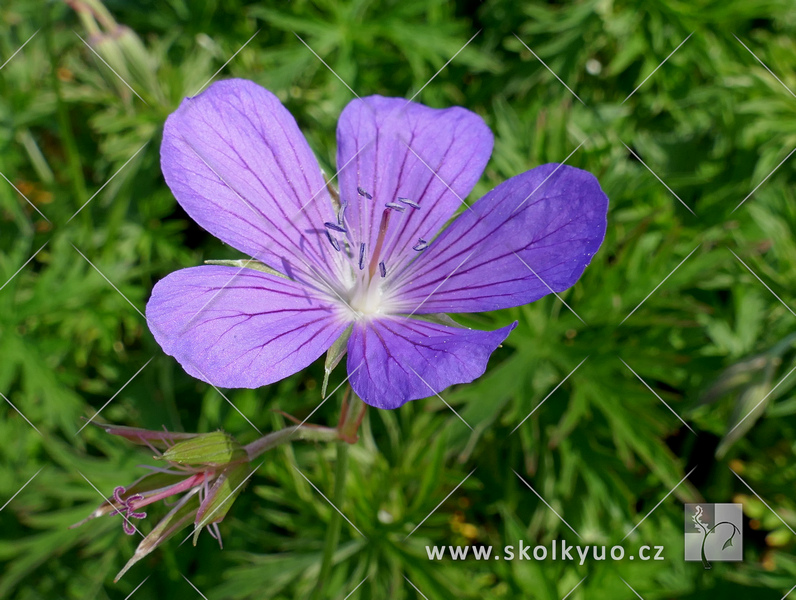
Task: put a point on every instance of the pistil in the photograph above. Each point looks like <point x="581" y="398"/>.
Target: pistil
<point x="374" y="258"/>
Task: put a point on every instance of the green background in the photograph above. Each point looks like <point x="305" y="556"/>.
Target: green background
<point x="602" y="450"/>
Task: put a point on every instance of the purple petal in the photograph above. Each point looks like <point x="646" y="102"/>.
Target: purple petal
<point x="237" y="163"/>
<point x="241" y="328"/>
<point x="394" y="360"/>
<point x="532" y="234"/>
<point x="388" y="148"/>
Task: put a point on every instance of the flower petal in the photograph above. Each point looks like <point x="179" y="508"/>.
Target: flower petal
<point x="238" y="164"/>
<point x="389" y="148"/>
<point x="394" y="360"/>
<point x="538" y="229"/>
<point x="240" y="328"/>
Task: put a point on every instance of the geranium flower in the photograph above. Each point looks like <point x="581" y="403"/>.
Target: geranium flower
<point x="378" y="265"/>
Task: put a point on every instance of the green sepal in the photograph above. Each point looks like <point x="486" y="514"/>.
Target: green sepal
<point x="334" y="355"/>
<point x="247" y="263"/>
<point x="216" y="449"/>
<point x="220" y="498"/>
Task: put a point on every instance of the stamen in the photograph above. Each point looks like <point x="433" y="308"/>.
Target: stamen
<point x="362" y="192"/>
<point x="383" y="269"/>
<point x="334" y="227"/>
<point x="341" y="214"/>
<point x="395" y="206"/>
<point x="362" y="256"/>
<point x="420" y="245"/>
<point x="333" y="241"/>
<point x="409" y="202"/>
<point x="216" y="533"/>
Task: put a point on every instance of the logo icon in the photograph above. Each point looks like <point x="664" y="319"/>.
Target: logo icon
<point x="713" y="533"/>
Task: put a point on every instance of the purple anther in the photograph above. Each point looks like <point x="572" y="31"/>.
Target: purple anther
<point x="420" y="245"/>
<point x="341" y="214"/>
<point x="361" y="256"/>
<point x="382" y="269"/>
<point x="362" y="192"/>
<point x="334" y="227"/>
<point x="333" y="241"/>
<point x="409" y="202"/>
<point x="395" y="206"/>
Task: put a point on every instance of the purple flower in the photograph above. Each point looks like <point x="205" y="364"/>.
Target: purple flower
<point x="377" y="266"/>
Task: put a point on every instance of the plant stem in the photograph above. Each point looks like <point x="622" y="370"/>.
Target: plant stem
<point x="297" y="432"/>
<point x="333" y="533"/>
<point x="351" y="417"/>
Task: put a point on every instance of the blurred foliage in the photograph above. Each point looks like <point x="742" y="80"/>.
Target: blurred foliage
<point x="712" y="341"/>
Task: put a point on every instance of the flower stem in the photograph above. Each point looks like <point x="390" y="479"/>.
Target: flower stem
<point x="297" y="432"/>
<point x="333" y="532"/>
<point x="351" y="417"/>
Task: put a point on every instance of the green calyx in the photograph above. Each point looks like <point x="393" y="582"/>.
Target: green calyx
<point x="216" y="449"/>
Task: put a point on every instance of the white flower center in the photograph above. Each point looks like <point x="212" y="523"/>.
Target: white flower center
<point x="366" y="297"/>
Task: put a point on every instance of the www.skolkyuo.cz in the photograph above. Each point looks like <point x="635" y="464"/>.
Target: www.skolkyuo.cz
<point x="558" y="550"/>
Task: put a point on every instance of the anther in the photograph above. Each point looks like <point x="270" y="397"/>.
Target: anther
<point x="333" y="241"/>
<point x="409" y="202"/>
<point x="362" y="192"/>
<point x="395" y="206"/>
<point x="382" y="269"/>
<point x="420" y="245"/>
<point x="361" y="256"/>
<point x="334" y="227"/>
<point x="341" y="214"/>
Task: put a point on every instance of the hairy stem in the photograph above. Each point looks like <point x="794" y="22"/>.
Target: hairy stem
<point x="297" y="432"/>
